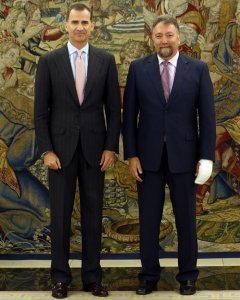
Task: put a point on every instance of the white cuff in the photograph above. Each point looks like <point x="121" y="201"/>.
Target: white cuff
<point x="204" y="171"/>
<point x="42" y="156"/>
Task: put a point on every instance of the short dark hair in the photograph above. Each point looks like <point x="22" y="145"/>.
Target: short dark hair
<point x="166" y="19"/>
<point x="79" y="7"/>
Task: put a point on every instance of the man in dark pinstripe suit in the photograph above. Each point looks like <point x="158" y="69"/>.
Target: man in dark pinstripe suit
<point x="77" y="142"/>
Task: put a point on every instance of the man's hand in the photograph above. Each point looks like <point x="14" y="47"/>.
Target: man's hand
<point x="135" y="168"/>
<point x="203" y="171"/>
<point x="107" y="160"/>
<point x="51" y="161"/>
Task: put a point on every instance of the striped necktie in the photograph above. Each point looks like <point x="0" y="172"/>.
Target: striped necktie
<point x="165" y="80"/>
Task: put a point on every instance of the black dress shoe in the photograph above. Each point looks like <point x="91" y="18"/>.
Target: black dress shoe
<point x="146" y="287"/>
<point x="59" y="290"/>
<point x="187" y="287"/>
<point x="96" y="288"/>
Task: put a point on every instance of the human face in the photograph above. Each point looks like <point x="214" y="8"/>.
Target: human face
<point x="79" y="27"/>
<point x="20" y="24"/>
<point x="166" y="40"/>
<point x="11" y="57"/>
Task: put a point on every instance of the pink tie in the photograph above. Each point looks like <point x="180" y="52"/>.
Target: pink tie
<point x="80" y="76"/>
<point x="165" y="80"/>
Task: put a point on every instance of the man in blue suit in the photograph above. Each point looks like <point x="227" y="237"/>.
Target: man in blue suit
<point x="169" y="138"/>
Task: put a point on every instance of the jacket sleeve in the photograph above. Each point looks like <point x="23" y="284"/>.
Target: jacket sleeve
<point x="206" y="113"/>
<point x="130" y="113"/>
<point x="112" y="107"/>
<point x="42" y="106"/>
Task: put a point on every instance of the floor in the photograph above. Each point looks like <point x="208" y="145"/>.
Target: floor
<point x="29" y="280"/>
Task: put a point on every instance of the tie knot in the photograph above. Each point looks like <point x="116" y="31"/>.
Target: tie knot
<point x="165" y="63"/>
<point x="79" y="53"/>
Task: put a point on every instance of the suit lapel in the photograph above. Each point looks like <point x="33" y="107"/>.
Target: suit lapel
<point x="153" y="71"/>
<point x="64" y="65"/>
<point x="182" y="67"/>
<point x="63" y="62"/>
<point x="93" y="66"/>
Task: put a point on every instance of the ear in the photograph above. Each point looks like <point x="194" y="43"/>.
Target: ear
<point x="179" y="41"/>
<point x="66" y="26"/>
<point x="151" y="37"/>
<point x="92" y="26"/>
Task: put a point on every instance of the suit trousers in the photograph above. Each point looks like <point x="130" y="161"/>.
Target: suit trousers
<point x="62" y="188"/>
<point x="151" y="194"/>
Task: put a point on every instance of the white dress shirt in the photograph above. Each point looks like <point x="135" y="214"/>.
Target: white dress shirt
<point x="73" y="55"/>
<point x="172" y="66"/>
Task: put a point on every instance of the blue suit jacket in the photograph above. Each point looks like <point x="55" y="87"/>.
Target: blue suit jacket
<point x="186" y="122"/>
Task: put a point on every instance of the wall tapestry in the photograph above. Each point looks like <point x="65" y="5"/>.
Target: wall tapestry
<point x="209" y="30"/>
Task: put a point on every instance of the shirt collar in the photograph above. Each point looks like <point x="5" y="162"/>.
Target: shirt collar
<point x="72" y="49"/>
<point x="173" y="60"/>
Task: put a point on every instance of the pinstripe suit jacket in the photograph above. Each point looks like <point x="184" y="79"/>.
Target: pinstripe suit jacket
<point x="59" y="119"/>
